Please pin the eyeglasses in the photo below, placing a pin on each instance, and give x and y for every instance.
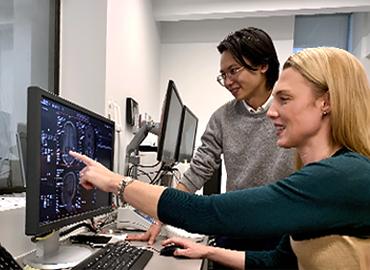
(232, 73)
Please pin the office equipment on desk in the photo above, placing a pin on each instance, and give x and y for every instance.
(176, 138)
(170, 124)
(11, 174)
(119, 255)
(170, 249)
(93, 240)
(131, 219)
(188, 133)
(7, 262)
(132, 112)
(5, 155)
(167, 130)
(54, 196)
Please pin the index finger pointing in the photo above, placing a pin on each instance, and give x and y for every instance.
(88, 161)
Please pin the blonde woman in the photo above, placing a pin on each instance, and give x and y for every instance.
(321, 108)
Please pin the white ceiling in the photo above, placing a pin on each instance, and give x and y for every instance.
(175, 10)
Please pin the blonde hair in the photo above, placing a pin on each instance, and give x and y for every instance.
(340, 74)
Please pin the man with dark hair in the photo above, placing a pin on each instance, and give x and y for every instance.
(239, 129)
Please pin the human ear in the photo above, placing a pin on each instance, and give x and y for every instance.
(264, 68)
(325, 104)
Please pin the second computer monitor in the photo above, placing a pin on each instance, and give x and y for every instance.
(170, 126)
(188, 134)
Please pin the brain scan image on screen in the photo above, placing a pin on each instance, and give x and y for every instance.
(69, 189)
(62, 130)
(68, 141)
(88, 141)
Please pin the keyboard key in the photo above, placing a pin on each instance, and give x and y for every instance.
(116, 256)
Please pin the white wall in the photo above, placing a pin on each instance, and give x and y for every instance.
(83, 52)
(109, 51)
(174, 10)
(189, 56)
(132, 59)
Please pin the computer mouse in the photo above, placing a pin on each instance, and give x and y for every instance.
(169, 250)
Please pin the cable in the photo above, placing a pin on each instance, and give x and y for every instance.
(110, 218)
(159, 175)
(149, 166)
(77, 226)
(129, 170)
(177, 177)
(41, 237)
(146, 174)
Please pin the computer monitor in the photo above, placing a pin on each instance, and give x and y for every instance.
(54, 197)
(189, 125)
(170, 126)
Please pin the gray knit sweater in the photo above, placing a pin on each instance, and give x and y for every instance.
(248, 143)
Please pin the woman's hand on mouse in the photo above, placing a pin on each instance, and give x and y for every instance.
(190, 248)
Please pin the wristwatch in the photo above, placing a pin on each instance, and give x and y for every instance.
(126, 180)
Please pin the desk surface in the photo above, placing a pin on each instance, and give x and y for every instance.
(158, 262)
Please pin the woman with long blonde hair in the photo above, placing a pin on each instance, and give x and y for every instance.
(321, 108)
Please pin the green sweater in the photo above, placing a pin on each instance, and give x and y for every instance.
(331, 196)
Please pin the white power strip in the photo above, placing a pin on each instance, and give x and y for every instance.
(131, 219)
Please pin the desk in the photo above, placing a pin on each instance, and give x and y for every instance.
(158, 262)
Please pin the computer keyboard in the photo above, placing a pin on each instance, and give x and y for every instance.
(7, 262)
(116, 256)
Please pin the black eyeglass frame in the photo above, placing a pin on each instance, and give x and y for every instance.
(232, 72)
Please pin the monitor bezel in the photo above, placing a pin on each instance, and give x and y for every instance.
(33, 226)
(185, 111)
(171, 89)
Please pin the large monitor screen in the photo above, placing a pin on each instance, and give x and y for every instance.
(170, 125)
(54, 197)
(189, 124)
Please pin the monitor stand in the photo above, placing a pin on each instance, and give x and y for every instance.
(50, 254)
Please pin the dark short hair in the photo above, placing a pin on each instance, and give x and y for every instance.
(255, 45)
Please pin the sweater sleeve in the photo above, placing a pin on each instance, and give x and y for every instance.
(282, 257)
(207, 157)
(304, 203)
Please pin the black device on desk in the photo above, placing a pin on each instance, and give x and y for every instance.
(7, 262)
(118, 256)
(169, 250)
(95, 241)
